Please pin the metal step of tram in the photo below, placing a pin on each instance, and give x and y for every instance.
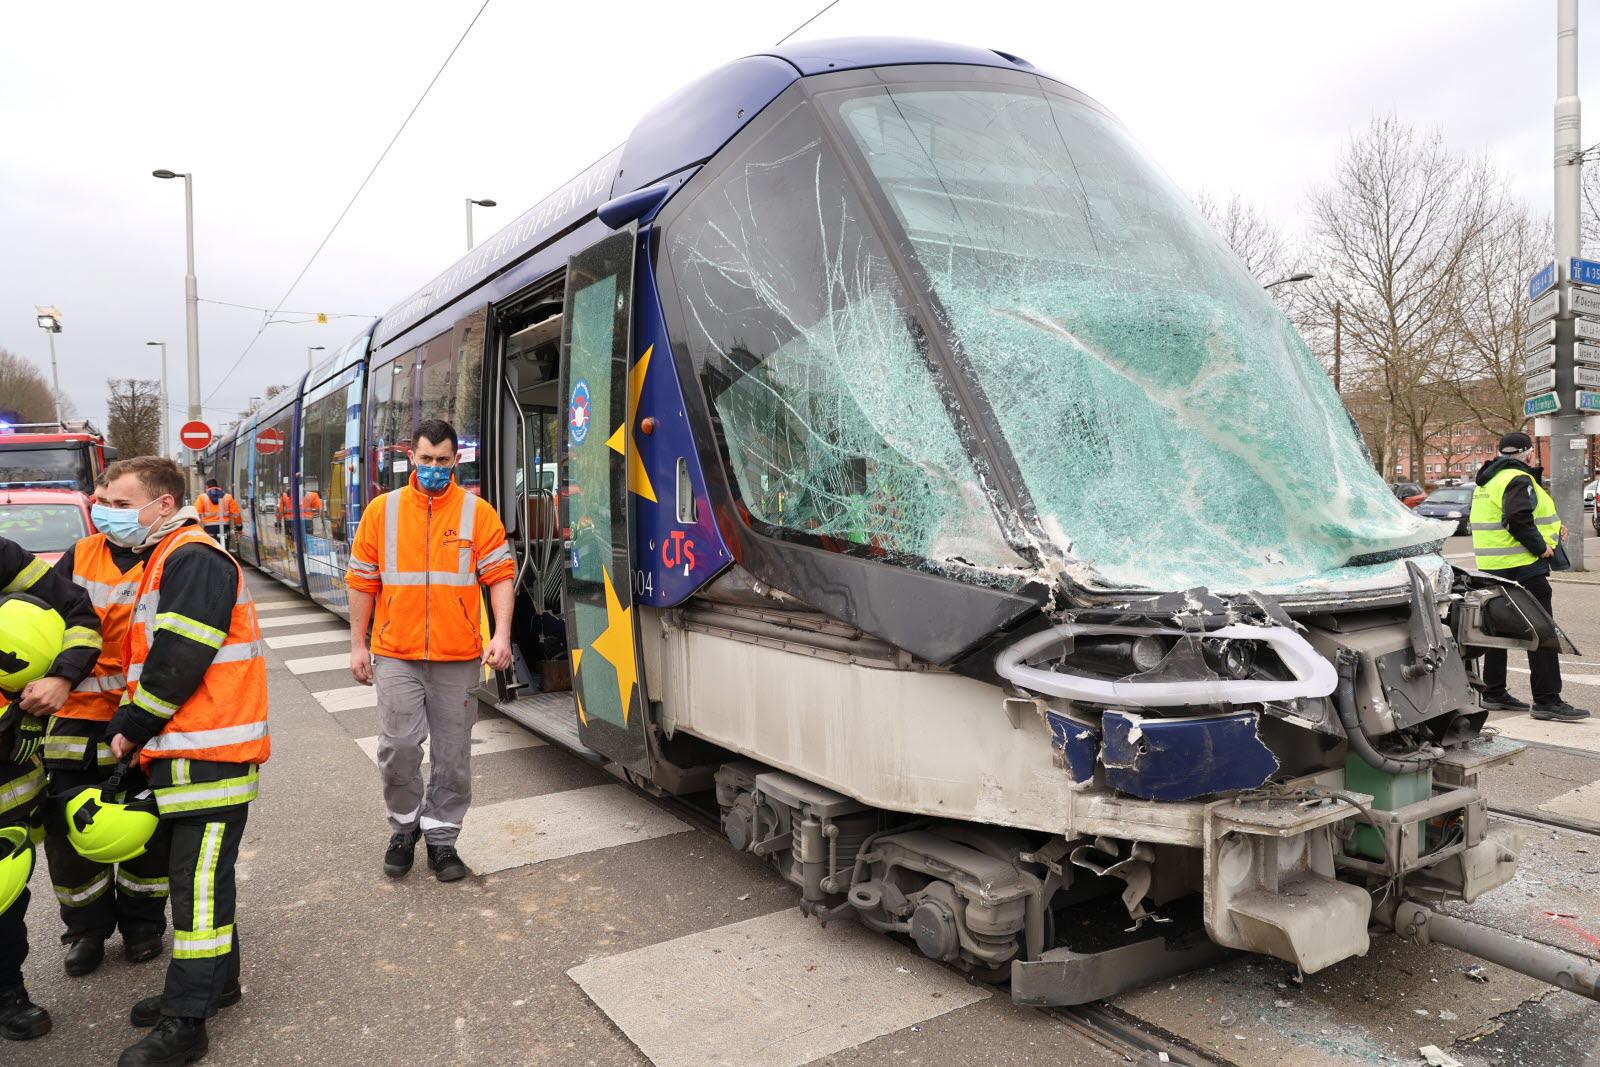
(553, 717)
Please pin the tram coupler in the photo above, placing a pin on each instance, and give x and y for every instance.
(1574, 973)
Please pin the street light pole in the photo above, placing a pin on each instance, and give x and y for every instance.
(1566, 430)
(49, 320)
(310, 349)
(190, 292)
(166, 410)
(470, 204)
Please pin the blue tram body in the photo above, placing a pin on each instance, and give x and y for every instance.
(823, 414)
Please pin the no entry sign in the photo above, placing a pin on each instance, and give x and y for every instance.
(195, 435)
(269, 441)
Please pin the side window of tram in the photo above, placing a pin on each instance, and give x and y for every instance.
(392, 395)
(452, 386)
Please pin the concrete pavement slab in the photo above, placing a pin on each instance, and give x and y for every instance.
(815, 990)
(514, 833)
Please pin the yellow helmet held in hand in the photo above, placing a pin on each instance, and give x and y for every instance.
(31, 634)
(106, 825)
(16, 864)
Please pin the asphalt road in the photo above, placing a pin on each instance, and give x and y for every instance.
(601, 929)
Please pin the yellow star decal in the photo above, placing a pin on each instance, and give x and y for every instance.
(577, 690)
(638, 477)
(615, 645)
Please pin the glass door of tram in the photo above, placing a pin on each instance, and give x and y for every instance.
(602, 630)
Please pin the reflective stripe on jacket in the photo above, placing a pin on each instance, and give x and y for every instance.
(424, 557)
(112, 591)
(1493, 545)
(225, 719)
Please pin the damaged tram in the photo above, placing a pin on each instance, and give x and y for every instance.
(892, 452)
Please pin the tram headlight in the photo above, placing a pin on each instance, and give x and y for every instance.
(1118, 655)
(1231, 659)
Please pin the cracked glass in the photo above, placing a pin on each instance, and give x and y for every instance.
(1171, 427)
(833, 426)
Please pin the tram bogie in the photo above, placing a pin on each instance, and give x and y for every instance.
(826, 416)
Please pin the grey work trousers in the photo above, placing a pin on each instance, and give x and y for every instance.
(420, 699)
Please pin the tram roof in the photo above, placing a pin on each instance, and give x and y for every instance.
(682, 131)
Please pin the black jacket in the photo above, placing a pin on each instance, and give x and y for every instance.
(1516, 509)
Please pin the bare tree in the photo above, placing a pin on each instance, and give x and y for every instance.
(24, 391)
(1491, 318)
(1254, 238)
(1395, 231)
(133, 416)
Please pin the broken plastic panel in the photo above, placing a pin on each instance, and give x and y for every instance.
(832, 423)
(1170, 425)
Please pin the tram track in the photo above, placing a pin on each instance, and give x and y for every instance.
(1554, 822)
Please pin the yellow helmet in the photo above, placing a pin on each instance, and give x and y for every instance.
(31, 633)
(16, 864)
(106, 825)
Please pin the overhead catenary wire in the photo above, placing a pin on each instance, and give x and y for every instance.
(806, 23)
(268, 320)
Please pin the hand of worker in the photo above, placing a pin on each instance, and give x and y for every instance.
(45, 696)
(498, 654)
(1549, 553)
(361, 665)
(120, 746)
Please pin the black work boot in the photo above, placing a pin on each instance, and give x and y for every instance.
(84, 956)
(20, 1018)
(401, 854)
(1502, 701)
(141, 948)
(446, 864)
(1559, 712)
(173, 1043)
(148, 1011)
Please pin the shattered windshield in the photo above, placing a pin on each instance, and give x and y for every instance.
(1170, 425)
(834, 430)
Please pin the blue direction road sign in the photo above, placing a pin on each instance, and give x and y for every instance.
(1587, 401)
(1542, 281)
(1585, 271)
(1545, 404)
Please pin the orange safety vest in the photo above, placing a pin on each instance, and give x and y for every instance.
(113, 593)
(225, 719)
(213, 514)
(424, 557)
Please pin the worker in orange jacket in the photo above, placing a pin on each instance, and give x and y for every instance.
(218, 511)
(426, 548)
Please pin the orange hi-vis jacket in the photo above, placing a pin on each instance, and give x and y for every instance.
(310, 506)
(225, 719)
(214, 514)
(113, 593)
(424, 557)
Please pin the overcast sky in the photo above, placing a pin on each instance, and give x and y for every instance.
(280, 112)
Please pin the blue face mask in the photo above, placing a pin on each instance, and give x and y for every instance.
(120, 524)
(433, 479)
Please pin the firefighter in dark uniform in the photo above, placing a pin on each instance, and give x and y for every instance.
(32, 600)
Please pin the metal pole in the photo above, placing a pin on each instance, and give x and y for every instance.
(469, 224)
(1567, 440)
(166, 410)
(55, 375)
(192, 302)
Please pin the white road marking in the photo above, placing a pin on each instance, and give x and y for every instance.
(815, 990)
(514, 833)
(279, 605)
(1580, 803)
(298, 619)
(350, 698)
(1566, 678)
(321, 637)
(313, 664)
(1584, 734)
(488, 735)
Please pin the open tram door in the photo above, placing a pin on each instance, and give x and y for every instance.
(596, 449)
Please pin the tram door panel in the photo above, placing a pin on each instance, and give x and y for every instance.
(602, 630)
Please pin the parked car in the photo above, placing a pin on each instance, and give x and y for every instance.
(1588, 495)
(46, 522)
(1409, 493)
(1453, 503)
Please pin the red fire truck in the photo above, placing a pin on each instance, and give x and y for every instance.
(41, 455)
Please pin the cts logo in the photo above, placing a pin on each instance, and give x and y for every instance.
(678, 551)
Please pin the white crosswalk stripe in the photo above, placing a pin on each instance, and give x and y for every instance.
(488, 735)
(278, 605)
(312, 664)
(515, 833)
(1580, 803)
(350, 698)
(297, 619)
(1584, 734)
(321, 637)
(816, 991)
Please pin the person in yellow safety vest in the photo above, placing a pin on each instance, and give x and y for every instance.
(23, 706)
(195, 715)
(1515, 531)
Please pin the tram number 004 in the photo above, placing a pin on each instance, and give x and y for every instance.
(643, 583)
